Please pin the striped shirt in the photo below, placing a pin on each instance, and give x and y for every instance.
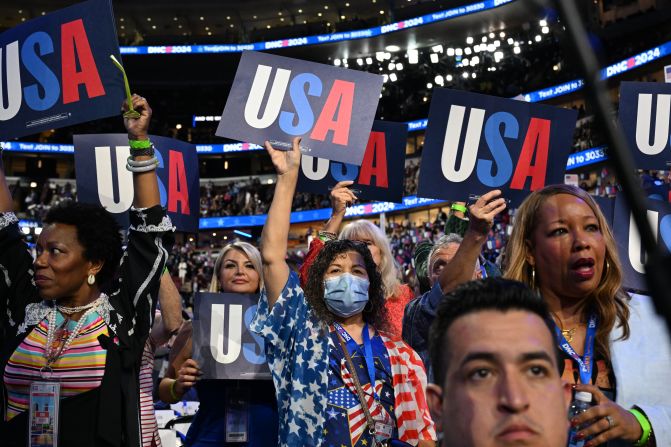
(148, 424)
(79, 369)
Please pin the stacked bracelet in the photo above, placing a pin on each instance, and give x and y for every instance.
(139, 144)
(141, 165)
(458, 207)
(645, 427)
(326, 236)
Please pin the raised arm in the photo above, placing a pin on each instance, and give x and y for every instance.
(276, 229)
(482, 214)
(144, 183)
(341, 198)
(171, 311)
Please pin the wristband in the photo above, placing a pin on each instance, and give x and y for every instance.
(645, 426)
(458, 207)
(139, 144)
(326, 236)
(173, 394)
(144, 151)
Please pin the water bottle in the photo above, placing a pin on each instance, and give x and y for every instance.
(581, 403)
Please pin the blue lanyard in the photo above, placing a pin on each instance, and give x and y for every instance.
(352, 347)
(587, 361)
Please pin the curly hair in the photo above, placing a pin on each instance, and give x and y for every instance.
(375, 313)
(97, 231)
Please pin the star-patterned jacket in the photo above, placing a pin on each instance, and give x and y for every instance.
(297, 347)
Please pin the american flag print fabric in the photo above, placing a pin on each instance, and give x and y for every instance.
(297, 345)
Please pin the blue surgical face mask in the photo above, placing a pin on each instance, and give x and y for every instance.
(346, 294)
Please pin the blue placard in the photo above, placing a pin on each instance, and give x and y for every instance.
(276, 98)
(102, 178)
(632, 256)
(475, 143)
(380, 176)
(223, 345)
(57, 70)
(645, 117)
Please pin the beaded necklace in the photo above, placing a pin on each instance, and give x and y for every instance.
(51, 354)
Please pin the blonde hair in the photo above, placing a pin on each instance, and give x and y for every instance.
(608, 300)
(245, 248)
(363, 229)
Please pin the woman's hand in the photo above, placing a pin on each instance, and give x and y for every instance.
(623, 424)
(483, 211)
(342, 197)
(285, 161)
(138, 128)
(187, 376)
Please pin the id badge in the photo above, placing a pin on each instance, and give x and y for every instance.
(43, 416)
(237, 416)
(383, 427)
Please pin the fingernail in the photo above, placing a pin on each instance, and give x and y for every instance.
(574, 422)
(580, 435)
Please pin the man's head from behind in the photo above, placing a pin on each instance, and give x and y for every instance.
(496, 370)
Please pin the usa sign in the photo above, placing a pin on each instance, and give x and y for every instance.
(55, 70)
(380, 176)
(223, 345)
(476, 143)
(645, 117)
(276, 98)
(100, 166)
(632, 255)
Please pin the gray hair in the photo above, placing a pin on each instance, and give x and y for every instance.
(443, 242)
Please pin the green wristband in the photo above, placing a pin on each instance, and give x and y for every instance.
(457, 207)
(645, 426)
(139, 144)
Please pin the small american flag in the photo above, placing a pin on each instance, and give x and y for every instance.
(355, 414)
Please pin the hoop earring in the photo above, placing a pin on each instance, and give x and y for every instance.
(91, 279)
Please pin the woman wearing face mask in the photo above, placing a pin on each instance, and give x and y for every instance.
(237, 270)
(397, 295)
(326, 345)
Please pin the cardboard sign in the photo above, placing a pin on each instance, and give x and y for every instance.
(102, 177)
(476, 143)
(380, 176)
(276, 98)
(56, 70)
(223, 345)
(632, 256)
(645, 117)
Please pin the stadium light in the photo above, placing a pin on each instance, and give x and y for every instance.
(429, 85)
(469, 40)
(393, 77)
(467, 51)
(413, 56)
(359, 62)
(399, 66)
(448, 78)
(369, 60)
(437, 48)
(392, 48)
(439, 80)
(391, 66)
(459, 52)
(450, 51)
(516, 50)
(434, 58)
(379, 56)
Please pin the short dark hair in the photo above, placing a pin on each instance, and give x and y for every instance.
(97, 231)
(375, 312)
(495, 294)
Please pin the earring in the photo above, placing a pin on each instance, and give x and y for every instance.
(533, 278)
(91, 279)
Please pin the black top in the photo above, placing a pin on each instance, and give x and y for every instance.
(108, 415)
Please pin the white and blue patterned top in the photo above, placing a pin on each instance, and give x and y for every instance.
(297, 346)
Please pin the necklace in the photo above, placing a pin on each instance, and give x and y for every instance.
(71, 310)
(51, 354)
(568, 334)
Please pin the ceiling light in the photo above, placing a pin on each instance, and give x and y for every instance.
(153, 27)
(180, 26)
(300, 11)
(474, 75)
(359, 61)
(475, 60)
(467, 51)
(178, 126)
(537, 38)
(434, 58)
(448, 78)
(429, 85)
(268, 26)
(379, 55)
(497, 43)
(510, 41)
(148, 19)
(545, 30)
(385, 78)
(439, 80)
(326, 6)
(425, 99)
(465, 75)
(458, 52)
(469, 40)
(502, 34)
(203, 18)
(228, 17)
(337, 62)
(491, 47)
(393, 77)
(174, 18)
(516, 50)
(543, 23)
(450, 51)
(465, 62)
(437, 48)
(369, 60)
(342, 17)
(391, 66)
(381, 11)
(484, 38)
(279, 13)
(413, 56)
(319, 14)
(399, 66)
(282, 19)
(392, 48)
(491, 35)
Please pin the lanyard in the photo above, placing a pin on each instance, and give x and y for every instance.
(352, 347)
(587, 360)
